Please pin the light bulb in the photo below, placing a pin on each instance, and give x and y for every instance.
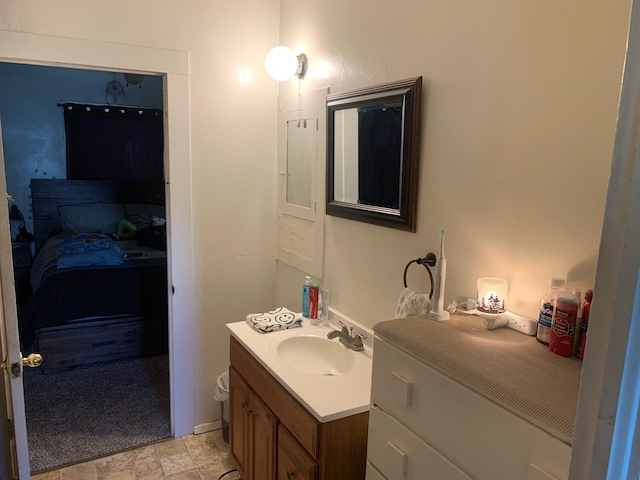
(281, 63)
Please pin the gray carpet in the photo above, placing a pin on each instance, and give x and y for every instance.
(90, 412)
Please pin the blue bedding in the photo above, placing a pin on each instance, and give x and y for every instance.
(107, 256)
(85, 242)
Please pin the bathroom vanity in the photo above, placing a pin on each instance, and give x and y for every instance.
(454, 401)
(297, 418)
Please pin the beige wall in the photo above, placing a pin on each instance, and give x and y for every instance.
(520, 106)
(524, 93)
(233, 142)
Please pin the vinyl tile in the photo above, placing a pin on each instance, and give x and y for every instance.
(192, 457)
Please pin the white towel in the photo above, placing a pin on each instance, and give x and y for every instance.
(278, 319)
(412, 303)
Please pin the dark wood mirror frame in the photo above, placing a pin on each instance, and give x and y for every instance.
(407, 93)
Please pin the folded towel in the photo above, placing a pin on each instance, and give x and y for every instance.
(278, 319)
(412, 303)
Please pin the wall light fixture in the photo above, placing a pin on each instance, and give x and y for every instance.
(282, 64)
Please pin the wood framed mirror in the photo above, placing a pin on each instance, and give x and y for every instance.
(373, 152)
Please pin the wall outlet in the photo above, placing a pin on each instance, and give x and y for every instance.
(521, 324)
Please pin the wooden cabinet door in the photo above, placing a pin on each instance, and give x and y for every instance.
(294, 463)
(239, 423)
(263, 439)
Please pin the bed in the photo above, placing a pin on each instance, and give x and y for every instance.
(100, 310)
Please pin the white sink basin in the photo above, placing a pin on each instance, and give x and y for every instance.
(327, 378)
(313, 354)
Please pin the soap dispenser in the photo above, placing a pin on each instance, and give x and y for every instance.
(306, 288)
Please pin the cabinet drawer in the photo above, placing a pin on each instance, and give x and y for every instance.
(373, 473)
(399, 454)
(481, 437)
(293, 461)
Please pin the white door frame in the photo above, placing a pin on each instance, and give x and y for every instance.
(606, 416)
(50, 50)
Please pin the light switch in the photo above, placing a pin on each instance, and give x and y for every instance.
(401, 389)
(396, 460)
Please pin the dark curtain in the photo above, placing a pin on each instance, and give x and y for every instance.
(113, 143)
(380, 156)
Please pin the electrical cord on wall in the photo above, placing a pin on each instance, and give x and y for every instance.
(227, 473)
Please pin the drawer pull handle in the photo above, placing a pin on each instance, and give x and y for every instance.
(243, 405)
(401, 390)
(248, 410)
(397, 459)
(290, 475)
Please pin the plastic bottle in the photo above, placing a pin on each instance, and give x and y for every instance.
(556, 284)
(563, 326)
(579, 319)
(582, 335)
(305, 296)
(314, 294)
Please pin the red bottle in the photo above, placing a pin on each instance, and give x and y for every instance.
(563, 328)
(313, 301)
(586, 310)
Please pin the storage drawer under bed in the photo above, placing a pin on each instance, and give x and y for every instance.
(101, 340)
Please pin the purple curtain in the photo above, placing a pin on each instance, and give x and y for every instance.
(106, 142)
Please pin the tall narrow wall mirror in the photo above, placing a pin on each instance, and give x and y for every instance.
(373, 151)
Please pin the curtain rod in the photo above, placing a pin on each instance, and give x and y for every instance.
(106, 105)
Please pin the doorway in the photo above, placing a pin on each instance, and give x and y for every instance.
(92, 403)
(173, 65)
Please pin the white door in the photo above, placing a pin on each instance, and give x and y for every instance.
(15, 451)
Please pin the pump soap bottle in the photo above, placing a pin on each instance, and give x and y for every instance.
(306, 288)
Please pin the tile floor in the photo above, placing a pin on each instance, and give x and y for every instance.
(193, 457)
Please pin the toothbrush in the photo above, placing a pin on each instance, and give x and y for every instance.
(437, 310)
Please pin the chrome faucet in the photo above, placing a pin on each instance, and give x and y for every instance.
(352, 342)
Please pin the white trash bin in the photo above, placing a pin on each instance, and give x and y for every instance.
(221, 395)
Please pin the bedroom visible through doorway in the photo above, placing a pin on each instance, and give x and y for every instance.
(123, 222)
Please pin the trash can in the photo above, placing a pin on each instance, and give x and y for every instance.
(221, 395)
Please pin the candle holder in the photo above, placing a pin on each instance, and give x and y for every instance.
(491, 296)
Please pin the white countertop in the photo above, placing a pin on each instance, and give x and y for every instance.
(327, 398)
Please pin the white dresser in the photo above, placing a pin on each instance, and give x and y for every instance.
(453, 400)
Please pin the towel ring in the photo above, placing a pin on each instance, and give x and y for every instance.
(429, 260)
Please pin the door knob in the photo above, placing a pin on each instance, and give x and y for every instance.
(33, 360)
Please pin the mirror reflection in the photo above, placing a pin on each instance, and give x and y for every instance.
(367, 155)
(300, 155)
(373, 152)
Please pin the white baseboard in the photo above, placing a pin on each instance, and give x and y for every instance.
(207, 427)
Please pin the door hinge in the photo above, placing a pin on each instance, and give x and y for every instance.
(173, 289)
(11, 429)
(14, 368)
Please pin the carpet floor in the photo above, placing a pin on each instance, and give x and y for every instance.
(90, 412)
